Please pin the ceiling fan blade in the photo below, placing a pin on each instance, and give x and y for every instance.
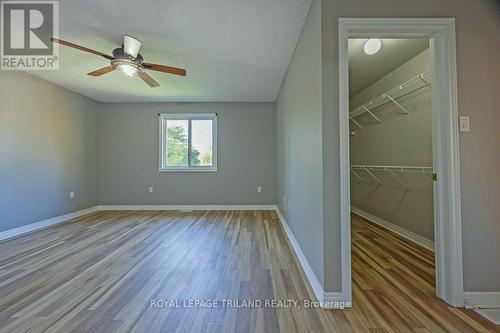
(101, 71)
(81, 48)
(131, 46)
(148, 79)
(165, 69)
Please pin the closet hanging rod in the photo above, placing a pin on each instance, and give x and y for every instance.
(387, 96)
(419, 77)
(393, 168)
(389, 101)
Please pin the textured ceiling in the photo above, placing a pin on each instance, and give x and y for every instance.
(233, 50)
(364, 69)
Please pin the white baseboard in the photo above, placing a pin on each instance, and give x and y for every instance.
(482, 299)
(326, 299)
(313, 280)
(45, 223)
(424, 242)
(63, 218)
(492, 315)
(187, 207)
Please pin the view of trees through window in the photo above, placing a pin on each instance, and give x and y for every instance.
(178, 143)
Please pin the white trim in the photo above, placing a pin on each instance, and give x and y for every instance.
(482, 299)
(313, 280)
(492, 315)
(66, 217)
(188, 169)
(163, 139)
(185, 116)
(446, 161)
(345, 168)
(422, 241)
(447, 207)
(326, 300)
(45, 223)
(187, 207)
(332, 298)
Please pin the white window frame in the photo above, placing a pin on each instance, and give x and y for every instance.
(163, 117)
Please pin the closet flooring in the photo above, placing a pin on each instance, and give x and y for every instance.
(393, 285)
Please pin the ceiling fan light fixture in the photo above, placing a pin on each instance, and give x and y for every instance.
(372, 46)
(128, 69)
(126, 59)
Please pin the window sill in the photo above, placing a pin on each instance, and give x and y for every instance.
(199, 170)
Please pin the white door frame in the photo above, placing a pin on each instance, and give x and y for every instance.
(445, 145)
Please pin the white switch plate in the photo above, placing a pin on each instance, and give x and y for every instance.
(71, 195)
(464, 124)
(150, 189)
(259, 189)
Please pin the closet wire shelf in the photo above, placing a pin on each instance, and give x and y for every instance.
(416, 83)
(392, 169)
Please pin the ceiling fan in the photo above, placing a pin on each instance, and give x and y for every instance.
(128, 60)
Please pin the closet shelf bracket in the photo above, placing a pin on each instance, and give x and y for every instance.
(402, 182)
(375, 177)
(421, 77)
(371, 114)
(357, 175)
(397, 104)
(357, 124)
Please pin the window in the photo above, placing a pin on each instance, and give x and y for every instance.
(188, 142)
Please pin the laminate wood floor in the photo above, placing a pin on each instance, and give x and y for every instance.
(101, 273)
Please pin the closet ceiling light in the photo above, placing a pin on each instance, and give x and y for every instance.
(372, 46)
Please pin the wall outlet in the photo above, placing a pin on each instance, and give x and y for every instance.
(289, 204)
(150, 189)
(71, 195)
(259, 189)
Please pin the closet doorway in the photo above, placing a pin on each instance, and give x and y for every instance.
(399, 156)
(391, 183)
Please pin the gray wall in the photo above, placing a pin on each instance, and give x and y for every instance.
(58, 142)
(129, 156)
(478, 46)
(48, 147)
(398, 140)
(299, 143)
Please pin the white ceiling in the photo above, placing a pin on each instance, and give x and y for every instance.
(365, 69)
(233, 50)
